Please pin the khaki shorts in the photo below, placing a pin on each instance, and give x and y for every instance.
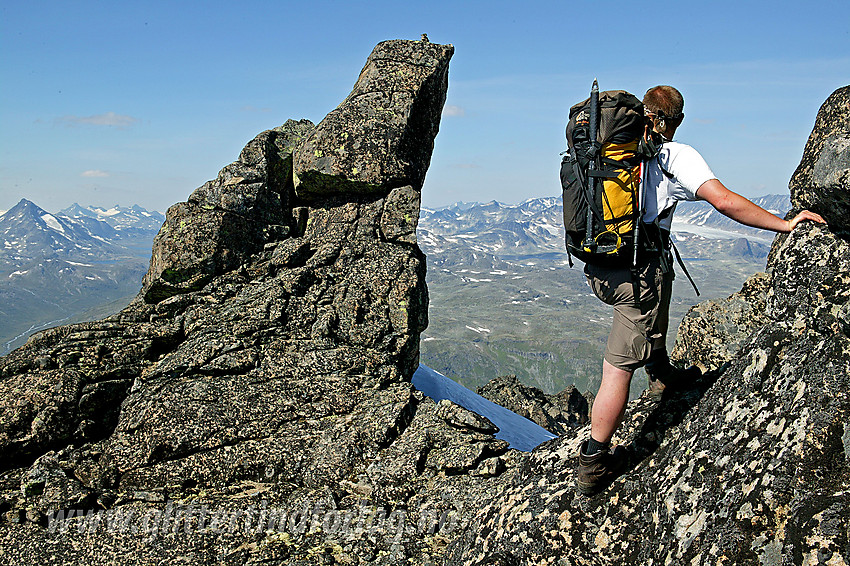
(636, 330)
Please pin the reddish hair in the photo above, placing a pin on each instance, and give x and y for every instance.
(667, 101)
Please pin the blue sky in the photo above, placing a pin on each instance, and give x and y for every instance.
(141, 102)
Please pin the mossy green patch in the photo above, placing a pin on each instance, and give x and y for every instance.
(177, 276)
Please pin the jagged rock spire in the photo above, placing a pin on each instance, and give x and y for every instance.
(382, 135)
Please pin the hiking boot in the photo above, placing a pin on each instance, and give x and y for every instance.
(664, 375)
(675, 379)
(596, 472)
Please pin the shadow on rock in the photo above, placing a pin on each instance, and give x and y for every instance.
(666, 413)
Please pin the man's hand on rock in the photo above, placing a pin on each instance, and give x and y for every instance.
(805, 215)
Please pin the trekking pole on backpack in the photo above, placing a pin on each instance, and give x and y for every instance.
(639, 203)
(639, 213)
(593, 152)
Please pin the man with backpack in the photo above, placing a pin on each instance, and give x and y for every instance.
(638, 335)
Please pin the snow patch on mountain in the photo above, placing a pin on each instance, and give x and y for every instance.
(51, 222)
(31, 233)
(681, 229)
(134, 218)
(535, 226)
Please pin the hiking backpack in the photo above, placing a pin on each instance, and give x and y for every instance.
(601, 177)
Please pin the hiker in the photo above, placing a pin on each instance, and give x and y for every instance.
(638, 334)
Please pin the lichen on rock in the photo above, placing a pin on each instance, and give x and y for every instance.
(229, 218)
(382, 135)
(557, 413)
(821, 181)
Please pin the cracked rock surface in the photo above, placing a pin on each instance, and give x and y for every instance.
(821, 180)
(557, 413)
(390, 117)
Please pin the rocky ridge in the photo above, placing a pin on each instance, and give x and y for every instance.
(263, 371)
(254, 405)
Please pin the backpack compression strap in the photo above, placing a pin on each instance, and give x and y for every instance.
(682, 265)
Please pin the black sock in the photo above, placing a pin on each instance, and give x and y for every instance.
(594, 446)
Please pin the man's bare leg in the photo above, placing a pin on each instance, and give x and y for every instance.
(598, 465)
(610, 403)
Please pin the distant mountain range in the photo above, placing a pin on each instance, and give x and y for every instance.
(536, 225)
(30, 232)
(503, 298)
(702, 219)
(128, 222)
(505, 301)
(55, 266)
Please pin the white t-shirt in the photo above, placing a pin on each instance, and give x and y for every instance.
(688, 170)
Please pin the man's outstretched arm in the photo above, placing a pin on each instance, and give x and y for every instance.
(746, 212)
